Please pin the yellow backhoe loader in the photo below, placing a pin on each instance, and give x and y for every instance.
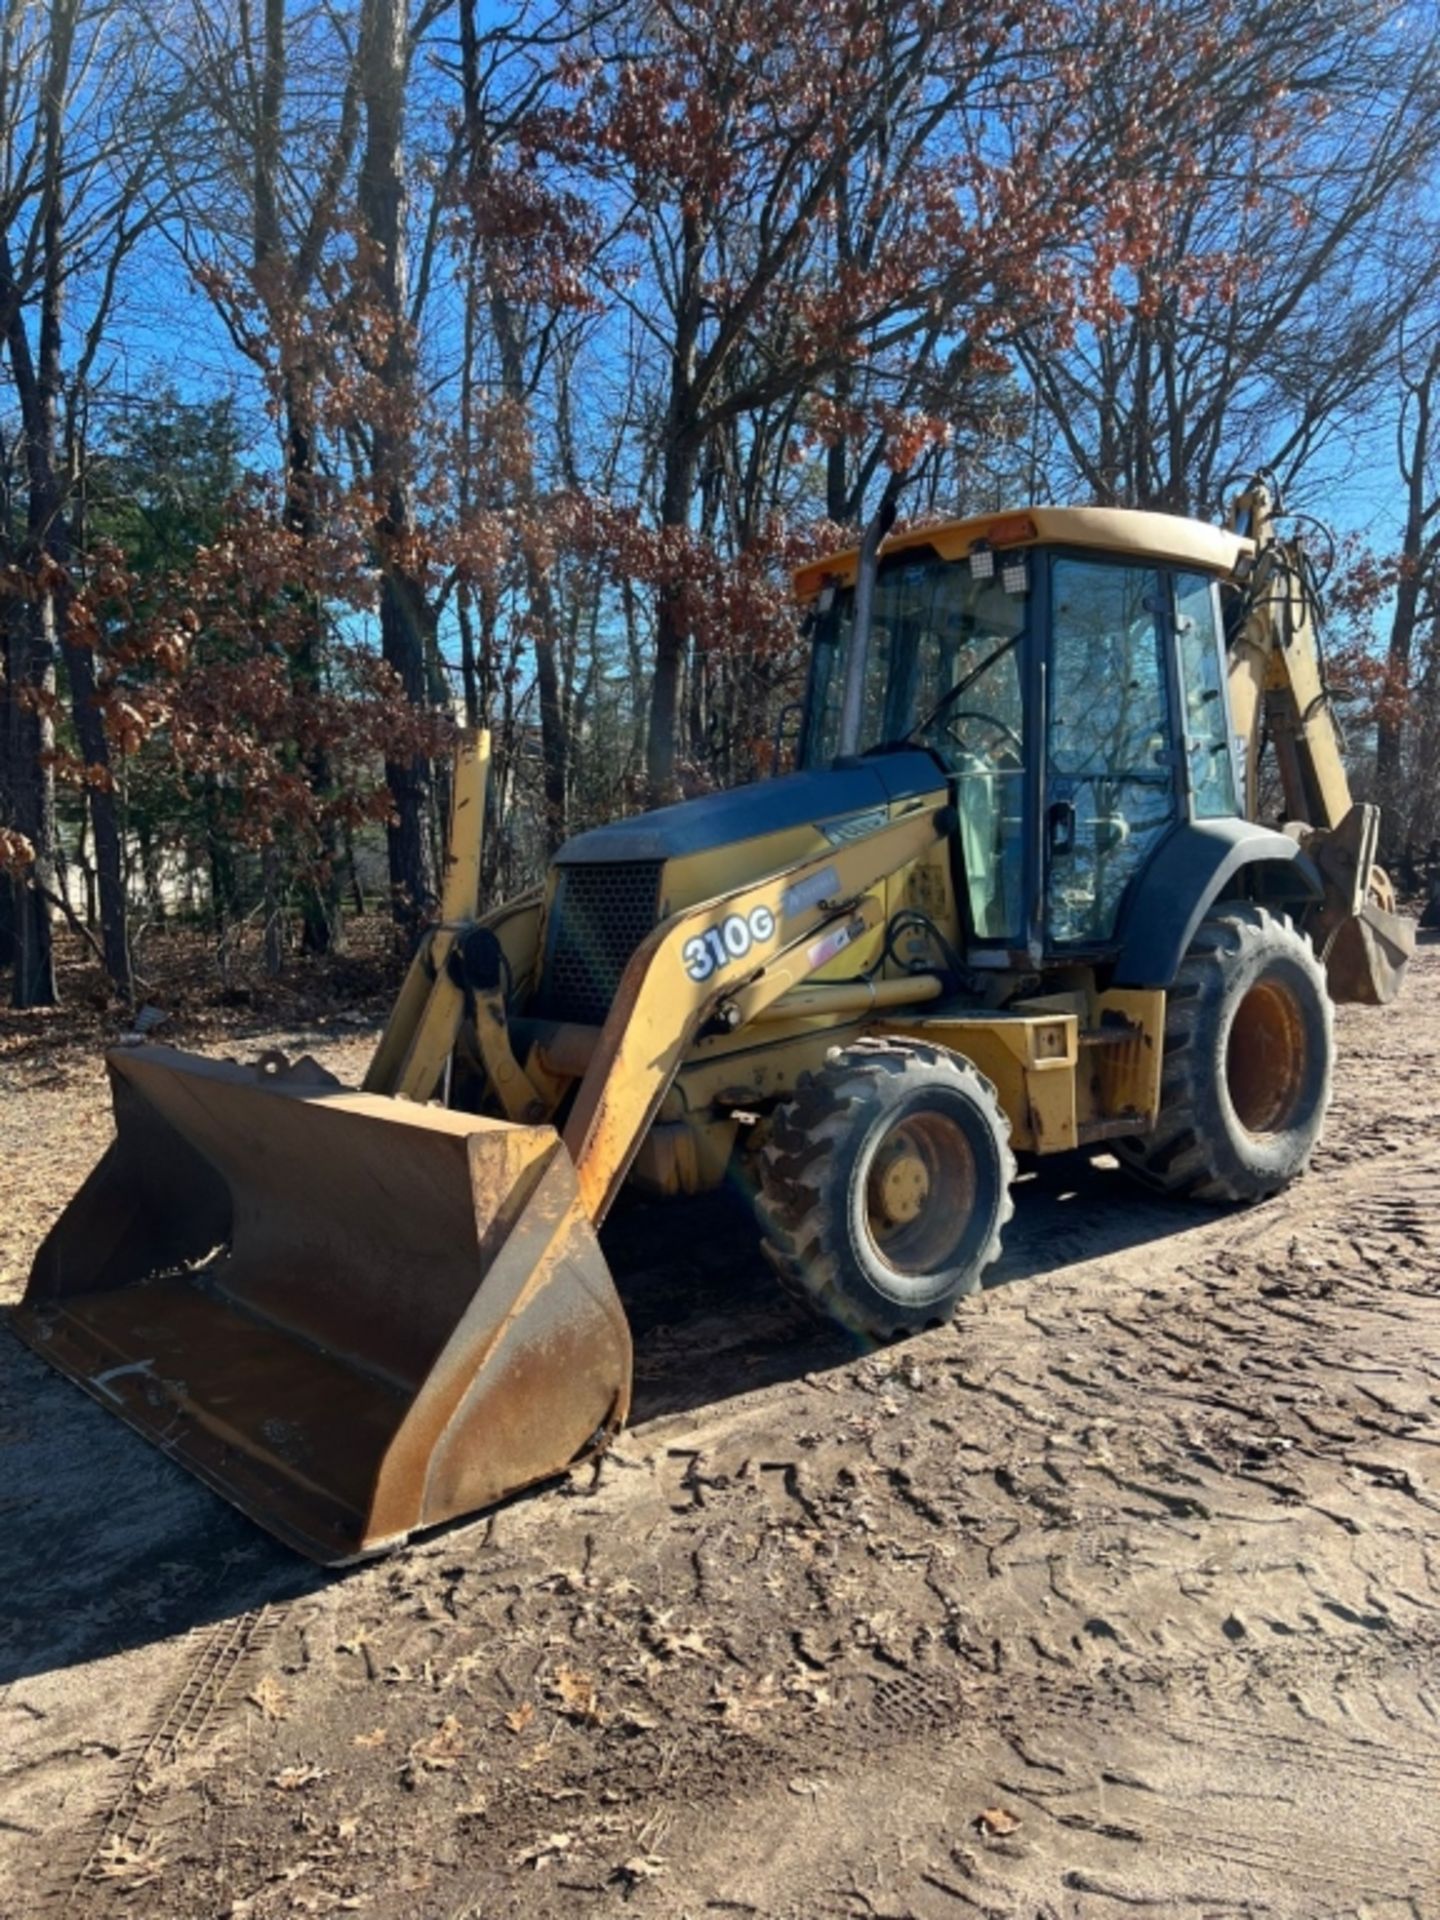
(1014, 898)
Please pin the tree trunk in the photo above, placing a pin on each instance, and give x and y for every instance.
(1399, 661)
(319, 887)
(506, 325)
(545, 630)
(1390, 729)
(7, 923)
(273, 912)
(672, 628)
(8, 885)
(322, 926)
(32, 809)
(407, 625)
(30, 722)
(680, 478)
(104, 810)
(402, 644)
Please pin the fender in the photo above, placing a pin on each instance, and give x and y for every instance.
(1188, 872)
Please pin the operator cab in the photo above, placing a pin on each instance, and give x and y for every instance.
(1067, 669)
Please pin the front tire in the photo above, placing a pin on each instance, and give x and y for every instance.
(884, 1186)
(1249, 1054)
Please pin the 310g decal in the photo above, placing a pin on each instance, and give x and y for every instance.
(719, 947)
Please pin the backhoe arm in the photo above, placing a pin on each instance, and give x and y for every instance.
(1276, 687)
(1278, 693)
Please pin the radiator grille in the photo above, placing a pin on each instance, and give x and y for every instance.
(601, 915)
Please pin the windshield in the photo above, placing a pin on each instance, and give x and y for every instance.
(944, 670)
(943, 667)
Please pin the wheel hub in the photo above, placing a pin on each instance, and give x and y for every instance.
(919, 1192)
(1265, 1058)
(903, 1186)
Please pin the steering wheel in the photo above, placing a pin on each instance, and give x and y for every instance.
(991, 720)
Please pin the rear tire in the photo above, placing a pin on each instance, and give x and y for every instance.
(884, 1186)
(1249, 1052)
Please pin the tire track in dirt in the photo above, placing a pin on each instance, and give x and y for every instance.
(1145, 1548)
(122, 1843)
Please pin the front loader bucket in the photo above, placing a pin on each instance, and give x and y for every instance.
(1368, 956)
(352, 1316)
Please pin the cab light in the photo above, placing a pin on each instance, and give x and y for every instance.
(1010, 531)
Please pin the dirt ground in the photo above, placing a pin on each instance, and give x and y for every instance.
(1119, 1596)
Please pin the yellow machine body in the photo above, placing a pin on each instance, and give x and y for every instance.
(358, 1314)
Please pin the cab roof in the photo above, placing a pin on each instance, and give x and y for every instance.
(1165, 537)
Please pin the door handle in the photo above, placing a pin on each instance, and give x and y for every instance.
(1061, 823)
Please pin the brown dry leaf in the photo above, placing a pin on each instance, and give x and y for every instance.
(520, 1719)
(996, 1821)
(294, 1779)
(670, 1643)
(747, 1701)
(137, 1863)
(550, 1848)
(475, 1809)
(802, 1684)
(468, 1663)
(269, 1696)
(629, 1720)
(691, 1641)
(443, 1748)
(644, 1866)
(577, 1696)
(376, 1737)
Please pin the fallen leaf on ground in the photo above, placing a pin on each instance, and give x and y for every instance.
(443, 1748)
(577, 1696)
(376, 1737)
(269, 1696)
(746, 1701)
(550, 1848)
(644, 1866)
(293, 1779)
(138, 1864)
(802, 1684)
(520, 1719)
(629, 1721)
(669, 1643)
(997, 1820)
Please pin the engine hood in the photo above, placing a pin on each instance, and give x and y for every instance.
(827, 797)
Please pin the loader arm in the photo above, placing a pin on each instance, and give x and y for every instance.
(688, 972)
(1278, 692)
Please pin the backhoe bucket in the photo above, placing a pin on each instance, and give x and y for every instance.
(1368, 956)
(352, 1316)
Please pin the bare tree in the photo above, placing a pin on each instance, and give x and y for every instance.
(1318, 129)
(75, 183)
(1408, 722)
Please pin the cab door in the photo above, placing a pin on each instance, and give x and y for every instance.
(1110, 772)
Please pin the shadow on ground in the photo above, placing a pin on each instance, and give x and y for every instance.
(710, 1320)
(105, 1544)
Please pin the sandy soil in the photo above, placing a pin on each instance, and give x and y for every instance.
(1121, 1595)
